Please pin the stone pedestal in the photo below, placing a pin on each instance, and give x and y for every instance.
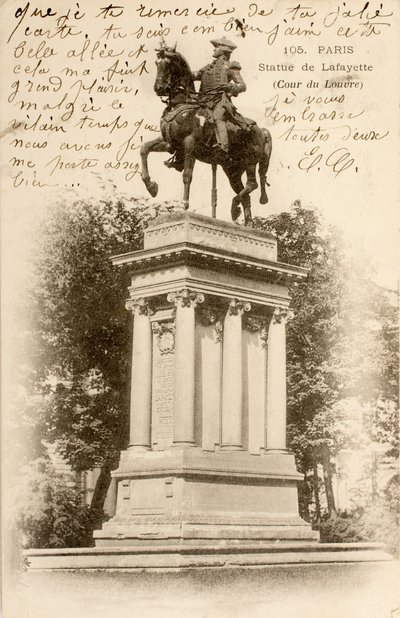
(207, 463)
(206, 480)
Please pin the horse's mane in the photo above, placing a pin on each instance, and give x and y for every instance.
(183, 67)
(183, 63)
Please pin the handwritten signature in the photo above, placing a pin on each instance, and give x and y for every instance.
(337, 161)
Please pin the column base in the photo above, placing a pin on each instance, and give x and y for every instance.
(139, 447)
(183, 444)
(231, 447)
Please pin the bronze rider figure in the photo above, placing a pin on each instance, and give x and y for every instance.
(221, 80)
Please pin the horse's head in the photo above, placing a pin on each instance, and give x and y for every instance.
(173, 74)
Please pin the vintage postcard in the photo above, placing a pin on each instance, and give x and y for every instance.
(293, 108)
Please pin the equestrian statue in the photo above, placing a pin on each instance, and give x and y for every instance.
(206, 126)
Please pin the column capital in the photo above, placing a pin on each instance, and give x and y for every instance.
(138, 305)
(186, 297)
(282, 315)
(238, 307)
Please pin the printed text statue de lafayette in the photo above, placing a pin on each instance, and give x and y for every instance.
(205, 125)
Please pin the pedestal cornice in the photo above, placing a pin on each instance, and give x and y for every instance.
(210, 258)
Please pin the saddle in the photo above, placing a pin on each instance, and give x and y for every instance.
(177, 111)
(236, 124)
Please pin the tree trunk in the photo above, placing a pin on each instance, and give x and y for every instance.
(305, 497)
(330, 497)
(101, 488)
(120, 441)
(316, 490)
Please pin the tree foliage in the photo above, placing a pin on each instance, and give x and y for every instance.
(81, 329)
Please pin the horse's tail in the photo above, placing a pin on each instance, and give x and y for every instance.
(268, 142)
(264, 164)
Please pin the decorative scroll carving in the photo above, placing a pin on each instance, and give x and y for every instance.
(238, 307)
(264, 335)
(165, 336)
(139, 305)
(208, 317)
(187, 297)
(255, 325)
(282, 315)
(252, 324)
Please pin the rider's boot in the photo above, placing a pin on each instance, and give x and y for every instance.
(175, 163)
(222, 136)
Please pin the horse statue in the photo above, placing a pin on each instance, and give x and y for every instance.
(187, 134)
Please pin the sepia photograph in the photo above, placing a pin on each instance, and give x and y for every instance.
(200, 309)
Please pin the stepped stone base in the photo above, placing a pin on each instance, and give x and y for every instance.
(292, 590)
(201, 531)
(177, 557)
(190, 497)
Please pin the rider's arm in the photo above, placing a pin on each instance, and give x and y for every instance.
(197, 75)
(234, 76)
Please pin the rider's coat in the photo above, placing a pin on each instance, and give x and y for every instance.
(221, 80)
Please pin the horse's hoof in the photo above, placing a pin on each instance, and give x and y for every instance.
(248, 219)
(264, 199)
(186, 205)
(235, 212)
(152, 188)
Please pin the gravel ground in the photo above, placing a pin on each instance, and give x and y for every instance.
(301, 591)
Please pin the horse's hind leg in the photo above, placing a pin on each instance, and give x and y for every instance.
(155, 145)
(188, 169)
(262, 172)
(264, 164)
(244, 195)
(235, 181)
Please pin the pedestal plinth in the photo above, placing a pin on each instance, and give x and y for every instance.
(208, 392)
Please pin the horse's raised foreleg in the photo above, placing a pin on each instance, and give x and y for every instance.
(155, 145)
(264, 164)
(188, 168)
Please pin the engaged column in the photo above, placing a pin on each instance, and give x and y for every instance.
(232, 375)
(276, 380)
(140, 402)
(186, 302)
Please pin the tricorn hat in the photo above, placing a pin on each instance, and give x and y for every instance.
(224, 43)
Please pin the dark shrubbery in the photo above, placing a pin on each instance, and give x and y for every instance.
(345, 528)
(377, 522)
(50, 513)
